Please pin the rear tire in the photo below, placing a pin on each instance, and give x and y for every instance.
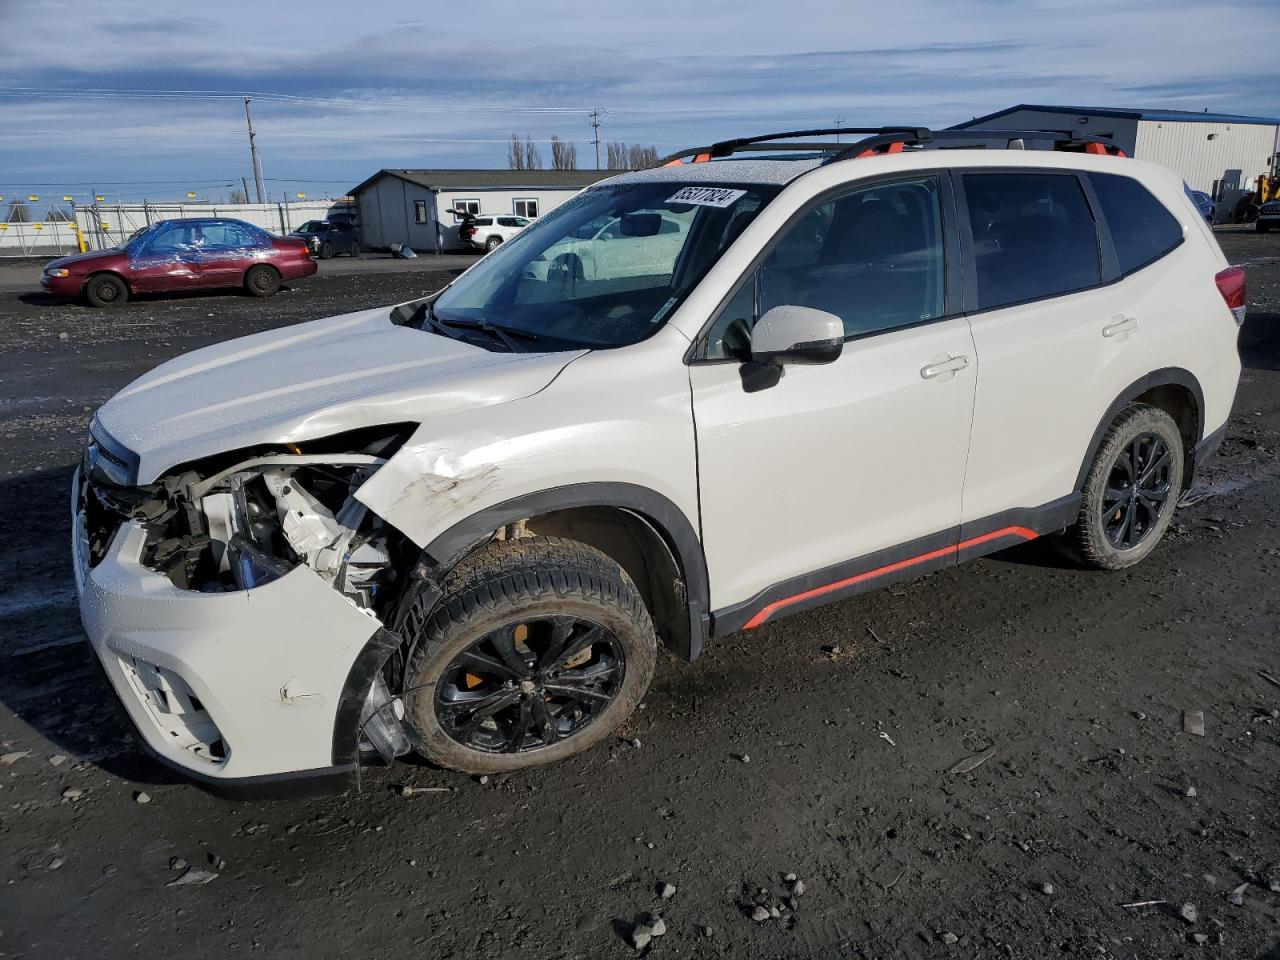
(492, 243)
(262, 281)
(106, 290)
(1131, 490)
(550, 634)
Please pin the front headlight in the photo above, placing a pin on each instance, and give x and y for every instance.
(59, 272)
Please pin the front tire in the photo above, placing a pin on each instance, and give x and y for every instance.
(326, 250)
(1131, 490)
(539, 649)
(106, 290)
(262, 281)
(1262, 227)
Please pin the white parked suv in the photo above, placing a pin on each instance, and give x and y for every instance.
(486, 232)
(465, 525)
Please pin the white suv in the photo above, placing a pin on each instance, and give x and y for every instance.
(487, 232)
(465, 525)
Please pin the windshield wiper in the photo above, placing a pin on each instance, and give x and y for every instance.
(507, 336)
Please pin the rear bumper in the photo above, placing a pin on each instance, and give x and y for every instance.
(241, 692)
(297, 269)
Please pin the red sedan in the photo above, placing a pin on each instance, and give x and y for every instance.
(172, 255)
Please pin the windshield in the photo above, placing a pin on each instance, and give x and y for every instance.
(605, 268)
(314, 226)
(139, 237)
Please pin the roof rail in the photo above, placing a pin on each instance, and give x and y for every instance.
(1065, 140)
(887, 140)
(768, 142)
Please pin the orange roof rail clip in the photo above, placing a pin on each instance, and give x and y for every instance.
(896, 147)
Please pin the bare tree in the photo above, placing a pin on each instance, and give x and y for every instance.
(515, 153)
(639, 157)
(615, 155)
(238, 196)
(564, 154)
(59, 214)
(532, 158)
(523, 154)
(19, 212)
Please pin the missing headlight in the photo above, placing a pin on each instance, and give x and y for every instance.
(251, 521)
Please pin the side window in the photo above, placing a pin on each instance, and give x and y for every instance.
(873, 257)
(227, 236)
(526, 208)
(419, 211)
(1142, 230)
(1033, 236)
(462, 208)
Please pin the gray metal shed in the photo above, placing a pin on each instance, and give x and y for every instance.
(413, 206)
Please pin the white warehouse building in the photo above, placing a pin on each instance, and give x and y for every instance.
(414, 207)
(1221, 154)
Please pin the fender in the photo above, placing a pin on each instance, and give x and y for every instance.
(1167, 376)
(450, 546)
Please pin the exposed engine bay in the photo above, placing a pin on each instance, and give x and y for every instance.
(249, 518)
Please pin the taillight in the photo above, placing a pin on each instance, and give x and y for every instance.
(1232, 286)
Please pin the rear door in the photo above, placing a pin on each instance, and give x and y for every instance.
(229, 249)
(1054, 339)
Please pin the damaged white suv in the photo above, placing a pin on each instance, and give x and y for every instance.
(463, 526)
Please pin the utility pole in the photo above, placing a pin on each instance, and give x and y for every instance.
(839, 121)
(245, 183)
(595, 129)
(253, 152)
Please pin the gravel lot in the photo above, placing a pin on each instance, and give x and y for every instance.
(1093, 797)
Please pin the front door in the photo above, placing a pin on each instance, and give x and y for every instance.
(169, 262)
(840, 476)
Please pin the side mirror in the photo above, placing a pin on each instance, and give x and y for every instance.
(794, 334)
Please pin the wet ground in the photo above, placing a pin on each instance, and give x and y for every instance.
(1074, 684)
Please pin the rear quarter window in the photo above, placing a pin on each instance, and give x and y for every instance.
(1142, 229)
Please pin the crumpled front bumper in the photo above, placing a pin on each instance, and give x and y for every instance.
(239, 689)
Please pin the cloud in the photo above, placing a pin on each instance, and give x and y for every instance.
(424, 83)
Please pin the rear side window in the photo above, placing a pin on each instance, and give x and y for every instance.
(1142, 230)
(1033, 236)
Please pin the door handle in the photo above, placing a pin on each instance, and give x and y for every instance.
(1119, 326)
(943, 367)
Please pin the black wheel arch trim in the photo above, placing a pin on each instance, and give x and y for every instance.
(667, 519)
(1164, 377)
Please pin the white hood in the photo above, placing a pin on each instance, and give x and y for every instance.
(309, 381)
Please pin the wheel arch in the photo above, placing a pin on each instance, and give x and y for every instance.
(643, 531)
(1174, 390)
(106, 272)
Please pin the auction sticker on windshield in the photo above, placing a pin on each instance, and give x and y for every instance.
(707, 196)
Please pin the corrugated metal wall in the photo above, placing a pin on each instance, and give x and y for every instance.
(1225, 166)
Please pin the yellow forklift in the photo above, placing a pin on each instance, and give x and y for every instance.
(1265, 188)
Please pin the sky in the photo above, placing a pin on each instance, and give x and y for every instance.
(145, 99)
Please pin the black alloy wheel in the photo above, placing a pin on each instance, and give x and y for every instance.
(529, 685)
(1138, 490)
